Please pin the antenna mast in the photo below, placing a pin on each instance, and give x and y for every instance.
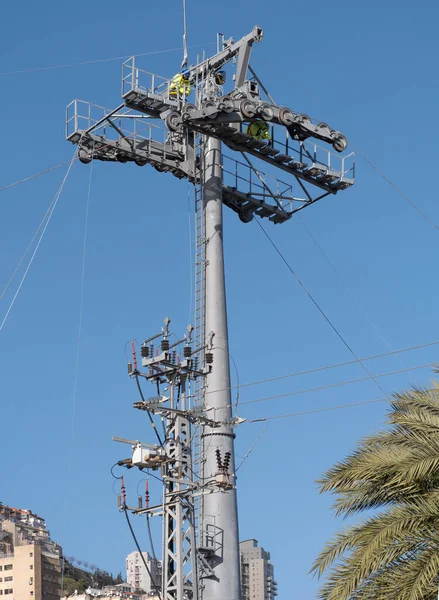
(157, 125)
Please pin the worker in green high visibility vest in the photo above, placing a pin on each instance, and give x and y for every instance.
(258, 130)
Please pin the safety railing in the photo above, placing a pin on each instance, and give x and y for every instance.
(309, 153)
(116, 125)
(257, 184)
(138, 80)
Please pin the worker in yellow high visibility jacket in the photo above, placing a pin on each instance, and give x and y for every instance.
(258, 130)
(180, 86)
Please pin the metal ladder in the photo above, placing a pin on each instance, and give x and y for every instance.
(199, 317)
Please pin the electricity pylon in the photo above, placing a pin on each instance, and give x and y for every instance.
(157, 124)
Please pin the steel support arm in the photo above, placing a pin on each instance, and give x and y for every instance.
(241, 48)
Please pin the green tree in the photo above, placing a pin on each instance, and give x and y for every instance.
(70, 585)
(392, 554)
(119, 579)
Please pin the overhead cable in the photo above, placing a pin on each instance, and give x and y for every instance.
(254, 443)
(325, 368)
(99, 60)
(81, 310)
(332, 266)
(125, 511)
(319, 308)
(11, 185)
(20, 262)
(316, 410)
(412, 204)
(49, 217)
(339, 384)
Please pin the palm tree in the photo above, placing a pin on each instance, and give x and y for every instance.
(393, 554)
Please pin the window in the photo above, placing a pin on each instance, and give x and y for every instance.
(1, 568)
(31, 593)
(31, 554)
(31, 567)
(9, 591)
(8, 578)
(31, 581)
(8, 567)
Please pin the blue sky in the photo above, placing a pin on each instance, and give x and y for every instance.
(369, 70)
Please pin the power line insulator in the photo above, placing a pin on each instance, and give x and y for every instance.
(219, 462)
(209, 358)
(226, 463)
(165, 345)
(144, 351)
(187, 351)
(130, 368)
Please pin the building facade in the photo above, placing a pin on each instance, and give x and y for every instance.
(30, 562)
(257, 572)
(138, 576)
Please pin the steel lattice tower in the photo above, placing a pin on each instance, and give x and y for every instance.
(157, 125)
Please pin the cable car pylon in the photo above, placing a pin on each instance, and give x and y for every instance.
(158, 125)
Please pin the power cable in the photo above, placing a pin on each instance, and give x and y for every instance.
(333, 385)
(412, 204)
(331, 264)
(111, 470)
(317, 410)
(237, 380)
(330, 385)
(326, 367)
(148, 412)
(99, 60)
(157, 588)
(20, 262)
(49, 217)
(11, 185)
(319, 308)
(253, 445)
(151, 543)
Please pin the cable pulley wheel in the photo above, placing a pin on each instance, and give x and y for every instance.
(305, 120)
(338, 141)
(141, 162)
(121, 158)
(227, 105)
(173, 121)
(266, 111)
(209, 104)
(188, 109)
(161, 168)
(245, 216)
(84, 156)
(286, 117)
(248, 109)
(324, 128)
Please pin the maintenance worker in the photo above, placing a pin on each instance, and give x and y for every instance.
(258, 130)
(180, 86)
(220, 77)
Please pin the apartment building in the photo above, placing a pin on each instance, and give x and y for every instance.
(257, 572)
(138, 576)
(30, 562)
